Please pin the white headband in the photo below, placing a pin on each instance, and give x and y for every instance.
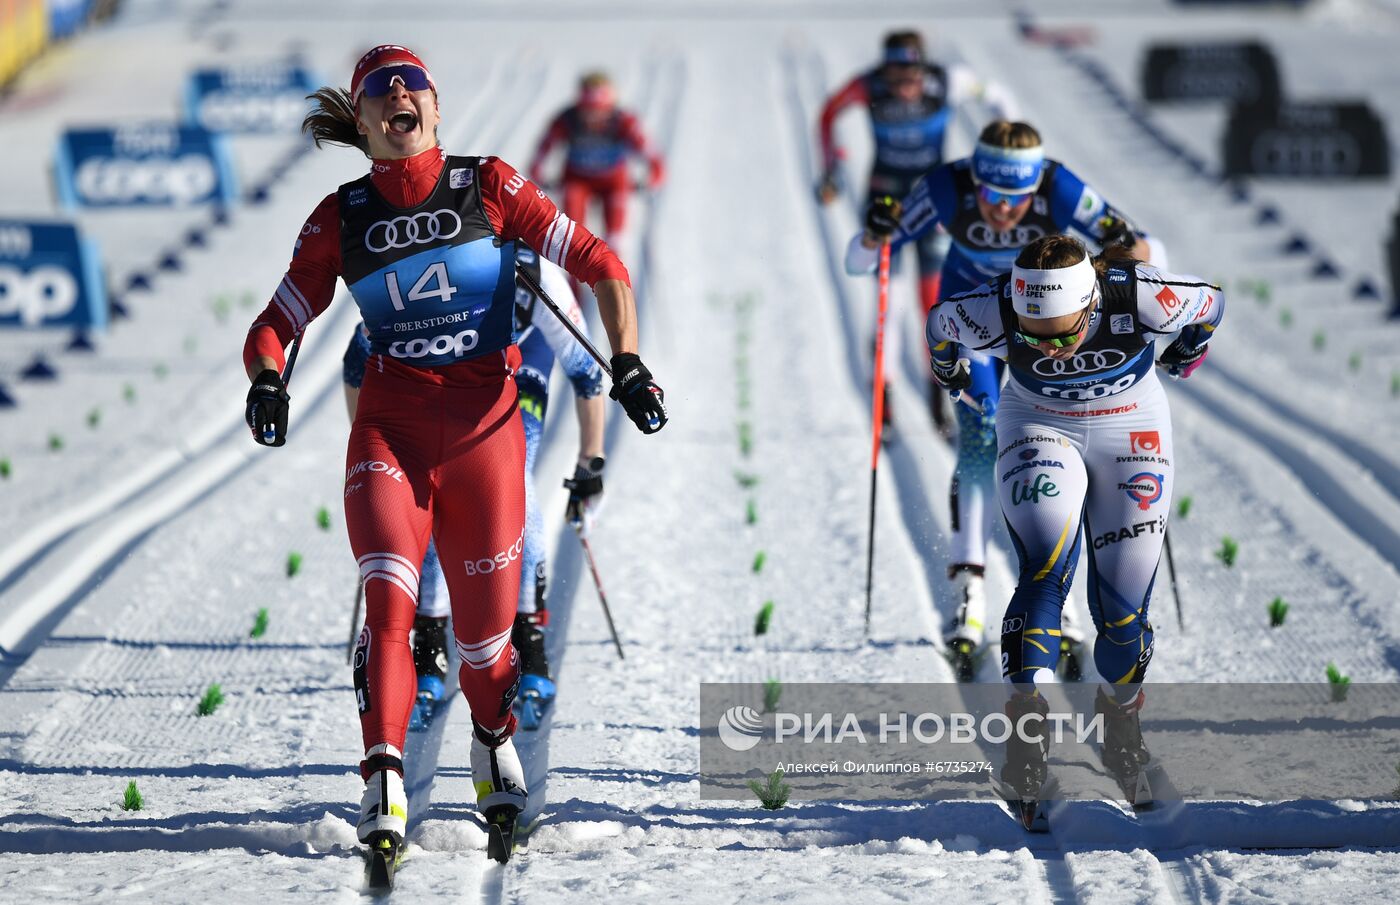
(1040, 294)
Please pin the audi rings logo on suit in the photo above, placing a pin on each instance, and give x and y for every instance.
(984, 236)
(415, 229)
(1080, 363)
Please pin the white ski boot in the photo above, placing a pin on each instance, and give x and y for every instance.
(500, 787)
(384, 807)
(966, 632)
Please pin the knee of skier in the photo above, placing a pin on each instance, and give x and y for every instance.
(1124, 649)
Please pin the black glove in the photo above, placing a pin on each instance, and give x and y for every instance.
(585, 492)
(1116, 231)
(641, 398)
(1180, 358)
(267, 408)
(954, 376)
(882, 217)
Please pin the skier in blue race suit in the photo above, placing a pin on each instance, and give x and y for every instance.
(910, 101)
(993, 204)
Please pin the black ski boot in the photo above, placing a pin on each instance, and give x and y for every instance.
(1024, 775)
(965, 634)
(537, 688)
(430, 662)
(1125, 755)
(1073, 652)
(1070, 668)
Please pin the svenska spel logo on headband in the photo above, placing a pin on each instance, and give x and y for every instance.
(1037, 290)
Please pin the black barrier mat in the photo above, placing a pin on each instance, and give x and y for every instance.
(1244, 73)
(1313, 140)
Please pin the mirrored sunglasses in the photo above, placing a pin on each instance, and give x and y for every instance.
(994, 197)
(378, 82)
(1062, 340)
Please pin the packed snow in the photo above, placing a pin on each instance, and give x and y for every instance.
(137, 556)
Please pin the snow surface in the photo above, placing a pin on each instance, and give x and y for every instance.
(136, 558)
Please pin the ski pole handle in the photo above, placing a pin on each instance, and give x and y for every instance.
(268, 435)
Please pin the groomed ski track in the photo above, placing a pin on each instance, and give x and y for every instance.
(736, 270)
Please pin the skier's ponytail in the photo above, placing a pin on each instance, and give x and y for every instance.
(333, 120)
(1113, 256)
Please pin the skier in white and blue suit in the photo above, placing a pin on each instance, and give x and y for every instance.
(542, 340)
(993, 204)
(1084, 449)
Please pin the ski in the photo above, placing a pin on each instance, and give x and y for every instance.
(500, 832)
(382, 862)
(1031, 813)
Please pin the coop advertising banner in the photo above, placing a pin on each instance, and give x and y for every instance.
(252, 98)
(143, 165)
(50, 276)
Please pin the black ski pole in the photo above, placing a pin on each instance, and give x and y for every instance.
(268, 436)
(598, 582)
(564, 319)
(1176, 585)
(354, 623)
(291, 359)
(877, 408)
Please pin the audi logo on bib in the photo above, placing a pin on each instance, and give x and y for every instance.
(1080, 363)
(417, 229)
(983, 236)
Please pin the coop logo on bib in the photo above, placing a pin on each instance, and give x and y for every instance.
(1144, 488)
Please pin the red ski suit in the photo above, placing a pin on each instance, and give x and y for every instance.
(433, 449)
(595, 164)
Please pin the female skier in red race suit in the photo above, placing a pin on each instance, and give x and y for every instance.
(426, 244)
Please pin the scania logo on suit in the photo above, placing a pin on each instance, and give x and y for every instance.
(983, 236)
(1080, 363)
(416, 229)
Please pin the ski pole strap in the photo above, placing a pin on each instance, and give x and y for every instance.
(538, 290)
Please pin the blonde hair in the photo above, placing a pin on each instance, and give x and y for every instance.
(1002, 133)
